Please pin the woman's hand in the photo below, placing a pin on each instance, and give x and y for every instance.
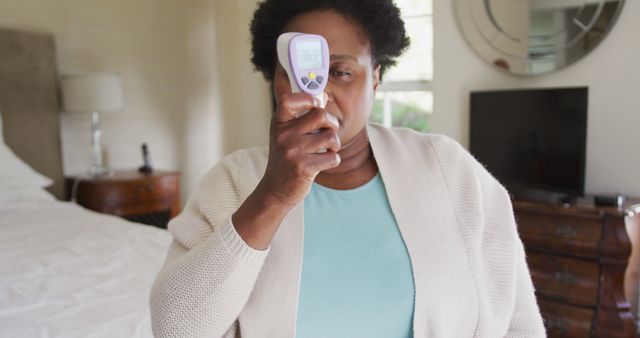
(296, 151)
(296, 156)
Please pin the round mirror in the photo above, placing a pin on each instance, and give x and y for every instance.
(535, 36)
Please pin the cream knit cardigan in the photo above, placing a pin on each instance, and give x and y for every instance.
(470, 274)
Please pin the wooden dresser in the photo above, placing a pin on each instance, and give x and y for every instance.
(151, 199)
(577, 255)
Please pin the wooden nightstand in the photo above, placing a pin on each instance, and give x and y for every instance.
(150, 199)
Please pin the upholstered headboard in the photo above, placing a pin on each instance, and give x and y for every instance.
(29, 102)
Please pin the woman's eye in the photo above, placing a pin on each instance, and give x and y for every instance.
(340, 73)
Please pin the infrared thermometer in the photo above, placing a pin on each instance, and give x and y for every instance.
(305, 58)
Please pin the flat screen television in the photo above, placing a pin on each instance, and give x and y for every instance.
(532, 139)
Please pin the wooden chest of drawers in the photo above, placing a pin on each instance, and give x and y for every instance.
(577, 256)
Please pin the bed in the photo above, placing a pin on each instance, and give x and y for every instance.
(69, 272)
(64, 271)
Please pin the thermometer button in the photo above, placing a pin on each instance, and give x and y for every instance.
(312, 75)
(313, 85)
(305, 80)
(319, 79)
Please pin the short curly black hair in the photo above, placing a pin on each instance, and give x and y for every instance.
(380, 20)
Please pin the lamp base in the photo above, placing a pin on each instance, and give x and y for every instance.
(99, 171)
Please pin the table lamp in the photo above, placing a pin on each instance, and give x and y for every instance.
(94, 94)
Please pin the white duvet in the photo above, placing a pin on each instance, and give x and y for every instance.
(69, 272)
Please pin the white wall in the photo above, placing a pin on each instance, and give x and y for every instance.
(611, 71)
(190, 91)
(202, 127)
(244, 94)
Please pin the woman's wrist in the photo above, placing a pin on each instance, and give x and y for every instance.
(259, 217)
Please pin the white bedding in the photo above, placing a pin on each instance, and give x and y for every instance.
(69, 272)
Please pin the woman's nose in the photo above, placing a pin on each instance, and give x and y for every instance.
(328, 93)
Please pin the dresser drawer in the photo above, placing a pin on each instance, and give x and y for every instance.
(579, 234)
(566, 321)
(135, 192)
(573, 280)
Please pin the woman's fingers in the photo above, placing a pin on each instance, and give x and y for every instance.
(317, 118)
(294, 146)
(300, 147)
(325, 139)
(292, 105)
(323, 161)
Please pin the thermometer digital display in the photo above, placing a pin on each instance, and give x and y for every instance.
(309, 54)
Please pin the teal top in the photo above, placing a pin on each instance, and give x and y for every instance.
(356, 272)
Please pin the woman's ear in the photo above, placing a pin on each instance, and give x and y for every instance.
(376, 76)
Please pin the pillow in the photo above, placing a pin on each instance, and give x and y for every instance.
(15, 173)
(24, 196)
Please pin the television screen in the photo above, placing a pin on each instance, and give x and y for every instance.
(532, 139)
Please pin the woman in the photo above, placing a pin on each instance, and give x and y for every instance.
(390, 233)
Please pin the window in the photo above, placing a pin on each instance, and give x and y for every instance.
(405, 97)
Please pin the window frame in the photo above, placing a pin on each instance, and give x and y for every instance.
(396, 86)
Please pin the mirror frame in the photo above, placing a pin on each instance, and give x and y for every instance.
(483, 33)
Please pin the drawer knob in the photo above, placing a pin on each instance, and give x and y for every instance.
(566, 231)
(566, 277)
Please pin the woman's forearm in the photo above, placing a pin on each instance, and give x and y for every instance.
(258, 218)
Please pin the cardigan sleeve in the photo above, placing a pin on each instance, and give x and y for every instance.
(526, 320)
(499, 234)
(210, 271)
(495, 252)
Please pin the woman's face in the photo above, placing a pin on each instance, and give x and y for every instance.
(353, 78)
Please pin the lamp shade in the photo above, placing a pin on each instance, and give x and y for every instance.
(100, 92)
